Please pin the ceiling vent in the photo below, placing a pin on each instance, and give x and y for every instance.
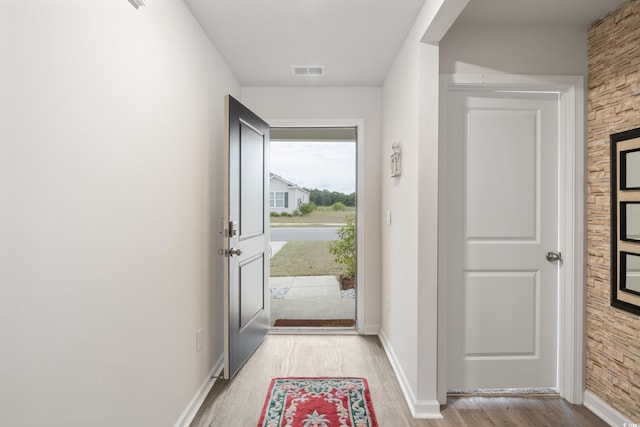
(308, 70)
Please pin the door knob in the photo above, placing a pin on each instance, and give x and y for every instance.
(235, 252)
(554, 256)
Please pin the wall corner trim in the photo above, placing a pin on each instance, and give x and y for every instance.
(420, 409)
(370, 330)
(193, 406)
(444, 18)
(603, 410)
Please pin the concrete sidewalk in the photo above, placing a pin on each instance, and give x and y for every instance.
(311, 287)
(310, 297)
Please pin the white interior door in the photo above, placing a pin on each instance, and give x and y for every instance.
(502, 205)
(246, 270)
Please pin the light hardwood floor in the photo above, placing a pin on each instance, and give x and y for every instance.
(237, 403)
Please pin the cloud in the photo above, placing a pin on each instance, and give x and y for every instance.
(323, 165)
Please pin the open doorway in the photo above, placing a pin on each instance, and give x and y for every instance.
(312, 204)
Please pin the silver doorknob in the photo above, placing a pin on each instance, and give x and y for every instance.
(235, 252)
(554, 256)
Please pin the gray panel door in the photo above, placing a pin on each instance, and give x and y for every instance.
(246, 235)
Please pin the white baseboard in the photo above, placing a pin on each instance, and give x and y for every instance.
(602, 409)
(370, 330)
(192, 408)
(420, 409)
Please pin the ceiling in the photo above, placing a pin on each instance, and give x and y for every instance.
(356, 40)
(537, 12)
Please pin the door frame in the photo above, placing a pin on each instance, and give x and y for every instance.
(361, 324)
(571, 227)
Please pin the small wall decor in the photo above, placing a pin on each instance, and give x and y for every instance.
(138, 3)
(625, 220)
(394, 160)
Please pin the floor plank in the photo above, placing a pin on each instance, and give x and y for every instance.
(237, 403)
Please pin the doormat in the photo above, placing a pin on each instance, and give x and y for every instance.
(316, 323)
(318, 402)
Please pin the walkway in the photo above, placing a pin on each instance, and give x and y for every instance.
(309, 297)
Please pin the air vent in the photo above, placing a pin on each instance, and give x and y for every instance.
(308, 70)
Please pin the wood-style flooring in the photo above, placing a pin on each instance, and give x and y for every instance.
(237, 403)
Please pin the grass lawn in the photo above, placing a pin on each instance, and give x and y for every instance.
(304, 258)
(319, 216)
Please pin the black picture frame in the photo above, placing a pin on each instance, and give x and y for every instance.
(622, 144)
(623, 277)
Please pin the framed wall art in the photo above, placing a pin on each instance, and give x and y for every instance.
(625, 220)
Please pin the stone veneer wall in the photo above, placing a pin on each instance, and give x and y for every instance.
(613, 335)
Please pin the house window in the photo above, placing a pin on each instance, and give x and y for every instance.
(278, 199)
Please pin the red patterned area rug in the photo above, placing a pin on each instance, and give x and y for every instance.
(318, 402)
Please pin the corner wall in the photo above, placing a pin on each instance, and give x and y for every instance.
(111, 141)
(401, 104)
(613, 340)
(410, 241)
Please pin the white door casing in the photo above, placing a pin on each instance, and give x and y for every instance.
(502, 202)
(570, 91)
(363, 325)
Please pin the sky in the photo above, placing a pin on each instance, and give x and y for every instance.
(322, 165)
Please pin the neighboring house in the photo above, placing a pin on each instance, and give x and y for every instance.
(285, 196)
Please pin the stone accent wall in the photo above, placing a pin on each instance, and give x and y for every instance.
(613, 335)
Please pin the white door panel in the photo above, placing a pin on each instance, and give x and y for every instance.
(502, 198)
(501, 174)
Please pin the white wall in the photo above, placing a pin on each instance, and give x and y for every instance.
(551, 50)
(314, 103)
(410, 242)
(401, 102)
(110, 176)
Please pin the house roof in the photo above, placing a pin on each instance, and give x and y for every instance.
(289, 183)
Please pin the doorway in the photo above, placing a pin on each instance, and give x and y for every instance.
(570, 321)
(313, 227)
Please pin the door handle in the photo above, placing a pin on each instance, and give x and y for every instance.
(235, 252)
(554, 256)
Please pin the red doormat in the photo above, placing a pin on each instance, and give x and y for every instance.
(316, 323)
(318, 402)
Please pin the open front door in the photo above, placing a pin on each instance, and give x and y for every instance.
(246, 271)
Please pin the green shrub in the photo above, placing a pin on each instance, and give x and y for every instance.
(307, 208)
(338, 206)
(296, 212)
(344, 249)
(274, 214)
